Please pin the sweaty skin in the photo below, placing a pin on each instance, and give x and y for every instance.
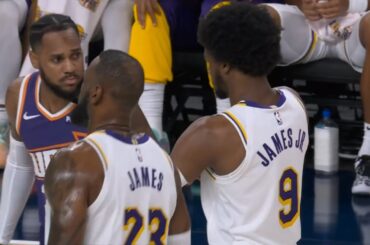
(75, 175)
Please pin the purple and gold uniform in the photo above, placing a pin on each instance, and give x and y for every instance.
(43, 133)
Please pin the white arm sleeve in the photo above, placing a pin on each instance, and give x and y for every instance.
(180, 239)
(17, 184)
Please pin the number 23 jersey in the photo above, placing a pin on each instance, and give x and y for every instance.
(138, 195)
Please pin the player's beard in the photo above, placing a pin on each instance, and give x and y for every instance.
(79, 115)
(71, 96)
(219, 82)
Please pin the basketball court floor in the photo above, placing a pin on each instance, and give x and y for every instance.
(329, 212)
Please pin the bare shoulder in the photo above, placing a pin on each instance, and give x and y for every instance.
(73, 157)
(77, 166)
(209, 132)
(77, 160)
(210, 127)
(209, 142)
(11, 104)
(12, 95)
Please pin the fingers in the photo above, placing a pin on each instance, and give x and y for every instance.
(140, 5)
(331, 9)
(156, 7)
(151, 11)
(150, 7)
(312, 15)
(310, 11)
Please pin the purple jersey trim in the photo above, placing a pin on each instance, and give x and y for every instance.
(133, 140)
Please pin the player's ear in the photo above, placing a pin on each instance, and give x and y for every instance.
(34, 59)
(225, 68)
(96, 94)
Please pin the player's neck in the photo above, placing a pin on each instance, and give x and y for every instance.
(119, 124)
(51, 101)
(256, 89)
(119, 128)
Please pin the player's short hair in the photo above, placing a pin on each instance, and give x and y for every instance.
(49, 23)
(242, 35)
(123, 72)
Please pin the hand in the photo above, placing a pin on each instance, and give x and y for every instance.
(150, 7)
(308, 7)
(329, 9)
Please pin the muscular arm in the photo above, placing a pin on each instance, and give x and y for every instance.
(72, 182)
(189, 153)
(180, 221)
(11, 104)
(18, 176)
(204, 145)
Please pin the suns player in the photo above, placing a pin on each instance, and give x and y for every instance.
(249, 159)
(39, 107)
(336, 29)
(115, 186)
(111, 17)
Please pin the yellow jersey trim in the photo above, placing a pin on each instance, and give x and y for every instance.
(239, 125)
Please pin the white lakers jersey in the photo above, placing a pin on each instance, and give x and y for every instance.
(259, 202)
(138, 195)
(337, 29)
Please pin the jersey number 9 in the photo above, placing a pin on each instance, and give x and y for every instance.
(289, 198)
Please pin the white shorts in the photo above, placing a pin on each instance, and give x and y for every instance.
(300, 44)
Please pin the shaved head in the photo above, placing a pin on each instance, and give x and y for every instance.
(120, 73)
(112, 87)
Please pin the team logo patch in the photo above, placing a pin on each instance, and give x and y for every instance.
(139, 155)
(278, 118)
(341, 32)
(82, 32)
(91, 5)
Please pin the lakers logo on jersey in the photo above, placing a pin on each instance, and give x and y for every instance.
(139, 155)
(90, 4)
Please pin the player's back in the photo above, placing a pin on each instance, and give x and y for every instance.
(259, 202)
(138, 195)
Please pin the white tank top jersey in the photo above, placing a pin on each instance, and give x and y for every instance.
(138, 196)
(259, 202)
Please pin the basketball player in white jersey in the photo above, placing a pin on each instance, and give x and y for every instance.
(249, 159)
(313, 30)
(39, 108)
(114, 186)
